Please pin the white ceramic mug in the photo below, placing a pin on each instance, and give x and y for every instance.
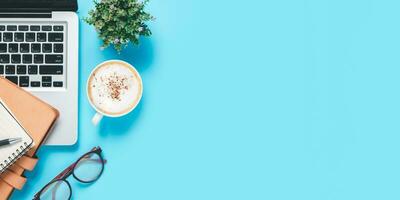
(99, 113)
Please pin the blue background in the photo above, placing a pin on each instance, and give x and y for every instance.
(289, 99)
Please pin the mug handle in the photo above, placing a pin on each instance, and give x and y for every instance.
(97, 118)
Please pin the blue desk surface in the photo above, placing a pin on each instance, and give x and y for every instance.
(293, 99)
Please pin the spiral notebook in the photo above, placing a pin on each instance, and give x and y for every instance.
(11, 128)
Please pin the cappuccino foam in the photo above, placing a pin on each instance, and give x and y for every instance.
(114, 88)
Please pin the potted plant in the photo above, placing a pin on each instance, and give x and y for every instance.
(119, 22)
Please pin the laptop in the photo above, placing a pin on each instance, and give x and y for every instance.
(39, 52)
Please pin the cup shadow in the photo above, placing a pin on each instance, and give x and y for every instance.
(141, 57)
(120, 125)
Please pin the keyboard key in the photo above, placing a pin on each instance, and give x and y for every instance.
(35, 28)
(58, 28)
(13, 79)
(1, 69)
(35, 84)
(19, 37)
(46, 28)
(16, 58)
(51, 69)
(41, 37)
(24, 81)
(21, 69)
(13, 48)
(27, 58)
(58, 48)
(3, 48)
(2, 28)
(4, 58)
(30, 37)
(32, 69)
(46, 84)
(46, 79)
(54, 59)
(36, 48)
(38, 58)
(23, 28)
(47, 48)
(24, 48)
(56, 37)
(10, 69)
(7, 37)
(11, 28)
(57, 84)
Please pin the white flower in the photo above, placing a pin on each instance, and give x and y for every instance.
(140, 29)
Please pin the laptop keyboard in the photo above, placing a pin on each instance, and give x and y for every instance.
(33, 56)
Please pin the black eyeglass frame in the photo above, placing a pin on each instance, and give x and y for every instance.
(67, 172)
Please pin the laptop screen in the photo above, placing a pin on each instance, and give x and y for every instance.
(38, 5)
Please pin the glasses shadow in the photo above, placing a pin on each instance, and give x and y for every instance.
(45, 155)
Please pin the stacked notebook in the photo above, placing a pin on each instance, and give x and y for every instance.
(10, 128)
(34, 119)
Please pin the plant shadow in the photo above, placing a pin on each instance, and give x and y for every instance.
(141, 56)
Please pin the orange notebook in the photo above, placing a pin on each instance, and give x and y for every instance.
(37, 117)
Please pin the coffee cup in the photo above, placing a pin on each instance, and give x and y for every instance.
(114, 89)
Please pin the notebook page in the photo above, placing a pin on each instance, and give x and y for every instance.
(10, 128)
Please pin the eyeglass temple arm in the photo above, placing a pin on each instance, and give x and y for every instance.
(64, 172)
(95, 149)
(69, 168)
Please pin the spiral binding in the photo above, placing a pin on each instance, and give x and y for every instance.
(14, 156)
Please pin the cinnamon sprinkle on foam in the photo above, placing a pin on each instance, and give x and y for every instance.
(116, 84)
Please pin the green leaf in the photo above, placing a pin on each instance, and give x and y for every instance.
(119, 22)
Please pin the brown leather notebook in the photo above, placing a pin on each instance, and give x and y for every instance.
(37, 117)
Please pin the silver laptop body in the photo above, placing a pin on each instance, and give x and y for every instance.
(41, 56)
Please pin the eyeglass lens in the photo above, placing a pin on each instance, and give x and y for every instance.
(89, 168)
(58, 190)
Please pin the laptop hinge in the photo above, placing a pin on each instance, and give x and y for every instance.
(25, 14)
(22, 6)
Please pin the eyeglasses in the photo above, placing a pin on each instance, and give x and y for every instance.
(87, 169)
